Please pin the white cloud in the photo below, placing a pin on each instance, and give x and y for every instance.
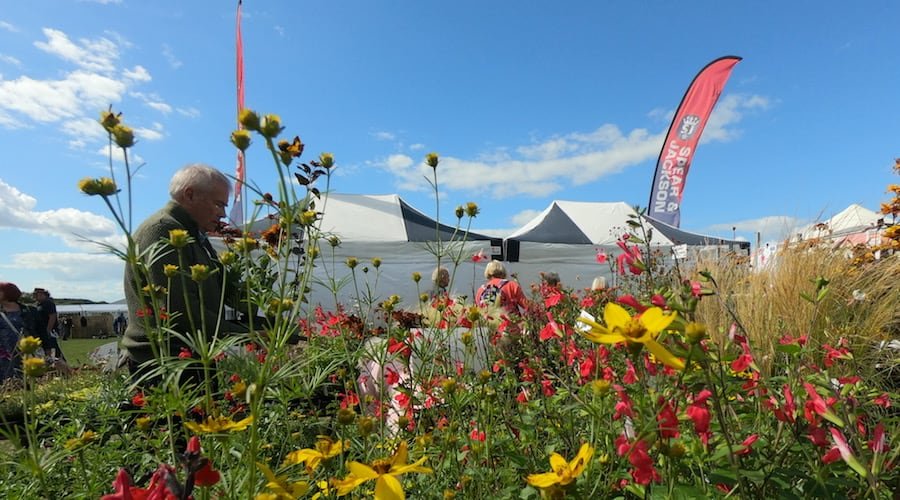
(169, 55)
(83, 130)
(523, 217)
(137, 74)
(771, 228)
(416, 147)
(384, 136)
(10, 60)
(93, 55)
(153, 134)
(53, 100)
(550, 165)
(279, 30)
(118, 155)
(17, 211)
(188, 112)
(9, 27)
(95, 276)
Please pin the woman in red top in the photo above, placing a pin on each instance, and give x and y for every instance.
(499, 290)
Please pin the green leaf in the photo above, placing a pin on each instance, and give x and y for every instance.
(788, 348)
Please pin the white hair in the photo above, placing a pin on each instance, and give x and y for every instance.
(198, 176)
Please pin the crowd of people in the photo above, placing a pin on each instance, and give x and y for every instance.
(20, 319)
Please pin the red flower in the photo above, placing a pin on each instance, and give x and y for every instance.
(629, 300)
(747, 444)
(818, 436)
(479, 256)
(744, 360)
(832, 455)
(550, 330)
(787, 411)
(658, 300)
(698, 412)
(601, 256)
(349, 400)
(668, 420)
(624, 406)
(643, 472)
(392, 377)
(124, 490)
(184, 353)
(522, 398)
(138, 400)
(207, 476)
(547, 387)
(552, 299)
(883, 401)
(630, 376)
(696, 288)
(878, 444)
(396, 346)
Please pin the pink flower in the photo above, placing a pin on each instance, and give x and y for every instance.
(658, 300)
(696, 288)
(601, 256)
(630, 376)
(883, 400)
(878, 444)
(629, 300)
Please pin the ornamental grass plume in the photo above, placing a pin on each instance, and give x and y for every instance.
(622, 327)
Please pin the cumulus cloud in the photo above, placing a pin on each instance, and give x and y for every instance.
(74, 227)
(93, 55)
(97, 276)
(188, 112)
(150, 134)
(384, 136)
(544, 167)
(118, 155)
(82, 131)
(771, 228)
(137, 74)
(524, 217)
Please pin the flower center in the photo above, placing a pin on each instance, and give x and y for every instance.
(633, 329)
(381, 466)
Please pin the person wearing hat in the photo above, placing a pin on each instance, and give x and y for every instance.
(47, 323)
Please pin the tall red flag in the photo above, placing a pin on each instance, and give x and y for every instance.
(237, 208)
(682, 138)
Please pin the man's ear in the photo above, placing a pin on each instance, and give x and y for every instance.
(189, 194)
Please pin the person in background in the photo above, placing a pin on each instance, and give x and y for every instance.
(48, 324)
(501, 291)
(119, 325)
(199, 194)
(68, 328)
(440, 281)
(16, 321)
(599, 283)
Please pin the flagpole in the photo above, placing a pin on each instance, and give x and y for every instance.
(237, 210)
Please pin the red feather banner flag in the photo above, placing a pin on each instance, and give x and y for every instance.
(237, 209)
(683, 137)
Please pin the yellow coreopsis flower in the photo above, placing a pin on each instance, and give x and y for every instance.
(178, 238)
(29, 344)
(84, 439)
(200, 272)
(325, 449)
(384, 472)
(218, 425)
(621, 327)
(279, 487)
(34, 367)
(563, 472)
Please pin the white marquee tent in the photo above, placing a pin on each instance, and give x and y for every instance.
(854, 224)
(566, 236)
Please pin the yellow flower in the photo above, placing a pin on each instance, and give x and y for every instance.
(249, 119)
(29, 344)
(270, 126)
(109, 120)
(240, 139)
(123, 136)
(432, 159)
(199, 272)
(308, 217)
(34, 367)
(84, 439)
(352, 262)
(417, 276)
(169, 270)
(279, 487)
(325, 449)
(563, 472)
(472, 209)
(227, 258)
(384, 472)
(104, 186)
(621, 327)
(143, 423)
(178, 238)
(326, 160)
(218, 425)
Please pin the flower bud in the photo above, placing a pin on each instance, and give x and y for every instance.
(417, 276)
(286, 158)
(449, 386)
(460, 211)
(270, 126)
(109, 120)
(346, 416)
(123, 136)
(249, 119)
(178, 238)
(352, 262)
(34, 367)
(308, 217)
(199, 272)
(170, 270)
(695, 332)
(326, 160)
(376, 262)
(241, 139)
(334, 241)
(365, 425)
(472, 209)
(431, 159)
(227, 258)
(600, 386)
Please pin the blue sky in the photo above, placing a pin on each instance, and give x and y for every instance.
(525, 101)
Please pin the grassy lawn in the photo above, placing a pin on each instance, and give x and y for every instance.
(78, 350)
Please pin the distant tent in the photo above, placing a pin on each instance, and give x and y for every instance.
(387, 227)
(851, 222)
(565, 237)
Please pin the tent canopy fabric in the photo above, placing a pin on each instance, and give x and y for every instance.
(853, 219)
(603, 223)
(376, 218)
